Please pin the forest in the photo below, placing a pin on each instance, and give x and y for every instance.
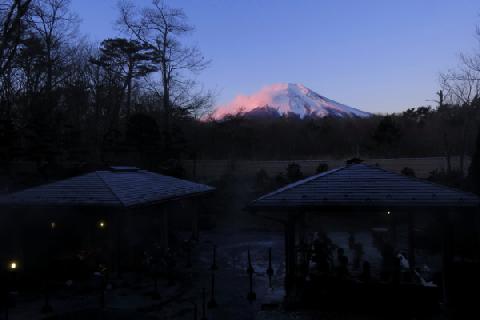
(66, 99)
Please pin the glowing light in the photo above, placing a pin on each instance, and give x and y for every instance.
(53, 225)
(13, 265)
(102, 224)
(389, 213)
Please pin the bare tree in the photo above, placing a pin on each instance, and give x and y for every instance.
(12, 14)
(462, 87)
(161, 28)
(56, 27)
(462, 84)
(12, 29)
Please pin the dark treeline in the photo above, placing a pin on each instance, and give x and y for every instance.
(425, 131)
(63, 98)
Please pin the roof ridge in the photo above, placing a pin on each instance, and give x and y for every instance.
(110, 188)
(299, 182)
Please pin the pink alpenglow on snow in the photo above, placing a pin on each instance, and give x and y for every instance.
(287, 99)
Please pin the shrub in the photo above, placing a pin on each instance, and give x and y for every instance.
(322, 167)
(294, 172)
(262, 181)
(409, 172)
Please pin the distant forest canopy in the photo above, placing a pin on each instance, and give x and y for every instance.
(418, 132)
(63, 98)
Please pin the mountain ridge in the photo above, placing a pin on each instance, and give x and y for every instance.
(286, 99)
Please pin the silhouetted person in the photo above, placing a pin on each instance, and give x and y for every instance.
(342, 268)
(366, 274)
(351, 241)
(341, 256)
(388, 261)
(171, 265)
(321, 254)
(358, 251)
(396, 270)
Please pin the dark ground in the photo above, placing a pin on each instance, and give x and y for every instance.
(233, 239)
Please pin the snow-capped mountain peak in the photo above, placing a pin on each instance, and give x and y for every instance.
(287, 99)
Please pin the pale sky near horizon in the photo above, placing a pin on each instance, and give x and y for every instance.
(379, 56)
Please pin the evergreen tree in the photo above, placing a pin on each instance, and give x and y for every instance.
(387, 132)
(127, 60)
(144, 135)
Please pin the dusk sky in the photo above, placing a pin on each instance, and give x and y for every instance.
(379, 56)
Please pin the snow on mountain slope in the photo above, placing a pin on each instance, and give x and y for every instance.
(287, 99)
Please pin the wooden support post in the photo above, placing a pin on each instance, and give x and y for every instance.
(195, 231)
(165, 229)
(411, 243)
(111, 233)
(302, 228)
(393, 230)
(476, 228)
(302, 254)
(447, 255)
(123, 238)
(118, 239)
(290, 254)
(287, 261)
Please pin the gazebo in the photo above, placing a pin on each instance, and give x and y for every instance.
(107, 204)
(359, 191)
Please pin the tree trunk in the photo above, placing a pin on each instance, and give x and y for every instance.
(464, 144)
(166, 107)
(447, 153)
(129, 89)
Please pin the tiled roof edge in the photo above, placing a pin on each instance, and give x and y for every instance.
(299, 182)
(416, 179)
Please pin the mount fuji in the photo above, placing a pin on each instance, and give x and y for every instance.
(286, 99)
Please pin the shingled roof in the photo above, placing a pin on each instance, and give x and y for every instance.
(361, 185)
(119, 187)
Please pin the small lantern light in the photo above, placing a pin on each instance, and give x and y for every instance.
(388, 213)
(53, 224)
(102, 224)
(13, 265)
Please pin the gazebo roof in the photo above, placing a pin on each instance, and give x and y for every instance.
(361, 185)
(119, 187)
